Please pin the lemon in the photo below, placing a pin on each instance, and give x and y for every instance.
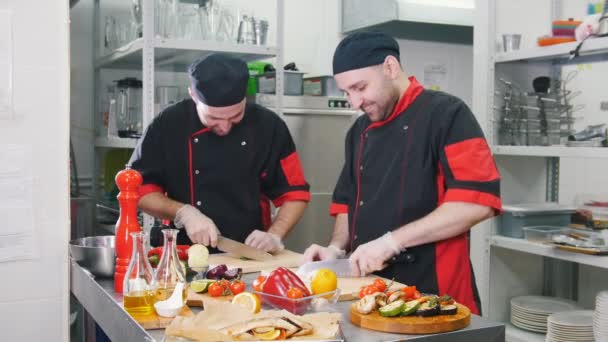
(324, 281)
(248, 300)
(268, 336)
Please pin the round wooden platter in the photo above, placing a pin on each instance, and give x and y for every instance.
(412, 324)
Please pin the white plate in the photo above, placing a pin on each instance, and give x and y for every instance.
(578, 318)
(541, 304)
(527, 327)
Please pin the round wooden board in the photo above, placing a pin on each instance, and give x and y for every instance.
(412, 324)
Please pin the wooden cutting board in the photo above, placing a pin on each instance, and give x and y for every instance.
(284, 258)
(196, 299)
(154, 321)
(350, 287)
(412, 324)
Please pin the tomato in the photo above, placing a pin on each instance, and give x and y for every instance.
(295, 293)
(237, 287)
(409, 291)
(380, 284)
(258, 284)
(417, 295)
(216, 289)
(368, 290)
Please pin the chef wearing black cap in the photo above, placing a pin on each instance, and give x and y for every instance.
(418, 175)
(211, 163)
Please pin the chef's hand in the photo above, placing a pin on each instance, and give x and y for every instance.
(372, 256)
(200, 228)
(268, 242)
(320, 253)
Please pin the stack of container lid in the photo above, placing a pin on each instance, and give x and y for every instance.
(562, 32)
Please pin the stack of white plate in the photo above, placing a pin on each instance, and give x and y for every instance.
(600, 318)
(531, 312)
(570, 326)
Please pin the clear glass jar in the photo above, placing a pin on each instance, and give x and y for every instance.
(138, 290)
(170, 270)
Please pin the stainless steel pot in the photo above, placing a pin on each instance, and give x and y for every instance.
(95, 253)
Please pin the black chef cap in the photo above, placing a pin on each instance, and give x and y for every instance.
(219, 80)
(363, 49)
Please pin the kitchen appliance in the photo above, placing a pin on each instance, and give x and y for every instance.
(318, 126)
(603, 24)
(129, 107)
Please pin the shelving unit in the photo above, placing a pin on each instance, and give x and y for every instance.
(151, 53)
(514, 267)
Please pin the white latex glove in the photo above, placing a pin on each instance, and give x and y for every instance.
(372, 256)
(265, 241)
(200, 228)
(320, 253)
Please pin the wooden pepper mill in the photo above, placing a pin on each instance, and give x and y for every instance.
(128, 182)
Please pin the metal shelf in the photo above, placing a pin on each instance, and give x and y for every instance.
(551, 151)
(560, 51)
(515, 334)
(526, 246)
(116, 142)
(172, 54)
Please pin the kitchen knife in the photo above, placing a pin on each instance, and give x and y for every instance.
(242, 250)
(340, 266)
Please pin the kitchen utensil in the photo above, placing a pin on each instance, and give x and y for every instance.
(592, 131)
(510, 42)
(603, 23)
(169, 272)
(261, 31)
(136, 17)
(340, 266)
(246, 33)
(138, 291)
(242, 250)
(95, 253)
(172, 306)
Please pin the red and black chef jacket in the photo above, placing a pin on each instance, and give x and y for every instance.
(430, 150)
(228, 178)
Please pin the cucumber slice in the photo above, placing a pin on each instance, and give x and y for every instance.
(393, 309)
(410, 307)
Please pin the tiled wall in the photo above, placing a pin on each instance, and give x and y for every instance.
(34, 293)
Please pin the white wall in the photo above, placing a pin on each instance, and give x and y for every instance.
(34, 293)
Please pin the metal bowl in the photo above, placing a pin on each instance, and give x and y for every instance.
(95, 253)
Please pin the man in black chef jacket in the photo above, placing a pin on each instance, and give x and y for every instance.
(211, 163)
(418, 175)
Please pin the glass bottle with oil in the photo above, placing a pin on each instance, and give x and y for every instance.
(170, 270)
(138, 290)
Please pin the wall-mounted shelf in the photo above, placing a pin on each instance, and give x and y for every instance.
(551, 151)
(553, 52)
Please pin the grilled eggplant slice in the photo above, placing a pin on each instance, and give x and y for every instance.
(429, 308)
(449, 309)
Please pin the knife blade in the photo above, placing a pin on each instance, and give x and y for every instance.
(340, 266)
(242, 250)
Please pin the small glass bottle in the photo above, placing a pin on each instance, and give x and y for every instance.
(170, 270)
(138, 290)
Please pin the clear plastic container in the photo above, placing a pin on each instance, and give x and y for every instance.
(541, 233)
(321, 302)
(515, 217)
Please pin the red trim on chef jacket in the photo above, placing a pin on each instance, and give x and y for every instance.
(206, 129)
(292, 168)
(410, 94)
(473, 196)
(453, 277)
(471, 160)
(265, 207)
(149, 188)
(337, 208)
(453, 270)
(291, 196)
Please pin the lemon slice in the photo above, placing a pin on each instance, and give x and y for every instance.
(269, 336)
(248, 300)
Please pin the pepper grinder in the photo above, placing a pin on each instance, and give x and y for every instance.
(128, 182)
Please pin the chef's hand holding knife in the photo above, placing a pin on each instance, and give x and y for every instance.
(374, 255)
(320, 253)
(200, 228)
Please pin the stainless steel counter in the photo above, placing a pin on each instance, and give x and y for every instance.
(98, 298)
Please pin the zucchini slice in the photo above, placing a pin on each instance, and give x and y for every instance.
(393, 309)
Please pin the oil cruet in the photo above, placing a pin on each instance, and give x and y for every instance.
(169, 271)
(138, 290)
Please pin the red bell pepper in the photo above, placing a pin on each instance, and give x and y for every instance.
(278, 284)
(182, 253)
